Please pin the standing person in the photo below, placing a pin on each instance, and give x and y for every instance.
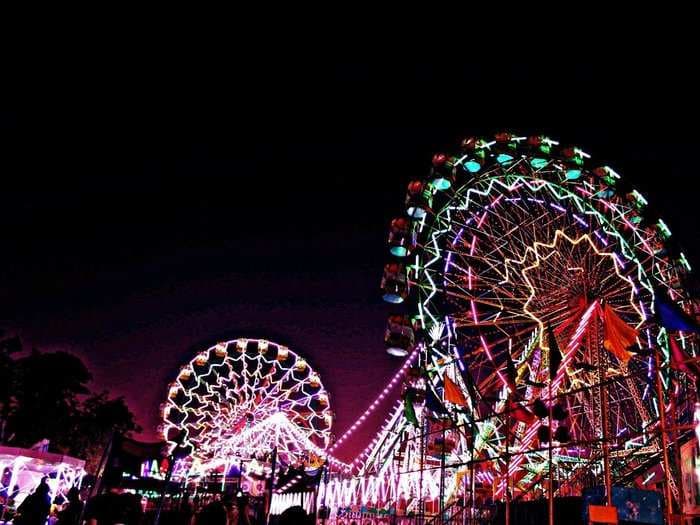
(35, 507)
(295, 516)
(243, 511)
(185, 511)
(114, 507)
(213, 513)
(232, 513)
(70, 514)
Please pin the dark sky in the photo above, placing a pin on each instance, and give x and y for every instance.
(153, 204)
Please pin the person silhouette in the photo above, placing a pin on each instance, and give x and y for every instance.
(35, 507)
(70, 514)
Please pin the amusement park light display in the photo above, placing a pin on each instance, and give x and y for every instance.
(527, 288)
(391, 384)
(510, 250)
(245, 397)
(21, 470)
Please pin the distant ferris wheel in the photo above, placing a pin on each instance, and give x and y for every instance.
(246, 396)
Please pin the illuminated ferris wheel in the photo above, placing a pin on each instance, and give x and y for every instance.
(245, 397)
(533, 280)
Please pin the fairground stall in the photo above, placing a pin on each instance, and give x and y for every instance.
(23, 469)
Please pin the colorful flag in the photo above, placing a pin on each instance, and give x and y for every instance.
(679, 358)
(408, 411)
(452, 392)
(520, 413)
(618, 335)
(672, 316)
(469, 383)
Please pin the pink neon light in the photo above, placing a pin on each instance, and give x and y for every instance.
(600, 238)
(459, 234)
(619, 260)
(580, 220)
(566, 359)
(634, 229)
(628, 223)
(557, 207)
(373, 406)
(488, 353)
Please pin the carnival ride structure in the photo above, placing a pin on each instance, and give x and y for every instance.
(535, 299)
(549, 341)
(244, 398)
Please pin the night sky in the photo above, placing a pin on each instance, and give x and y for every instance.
(155, 205)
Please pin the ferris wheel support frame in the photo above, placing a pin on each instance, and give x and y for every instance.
(618, 214)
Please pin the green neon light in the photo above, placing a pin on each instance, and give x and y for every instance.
(504, 158)
(573, 174)
(571, 459)
(640, 199)
(684, 261)
(421, 316)
(610, 177)
(664, 229)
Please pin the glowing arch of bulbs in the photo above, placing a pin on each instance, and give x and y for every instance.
(253, 388)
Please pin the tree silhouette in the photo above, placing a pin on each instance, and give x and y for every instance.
(46, 395)
(98, 417)
(47, 387)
